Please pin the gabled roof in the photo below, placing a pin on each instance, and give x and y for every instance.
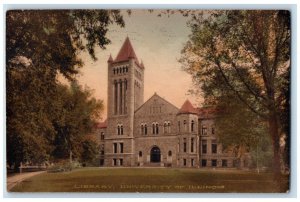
(126, 52)
(155, 95)
(187, 108)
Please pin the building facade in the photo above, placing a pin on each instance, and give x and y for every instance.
(155, 132)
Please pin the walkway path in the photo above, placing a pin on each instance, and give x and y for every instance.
(15, 179)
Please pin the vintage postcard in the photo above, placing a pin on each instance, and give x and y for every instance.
(149, 101)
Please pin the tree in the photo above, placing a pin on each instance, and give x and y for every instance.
(41, 44)
(250, 50)
(240, 130)
(90, 152)
(79, 112)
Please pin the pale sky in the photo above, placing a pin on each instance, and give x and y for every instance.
(157, 41)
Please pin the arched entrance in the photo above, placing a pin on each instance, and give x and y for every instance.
(155, 155)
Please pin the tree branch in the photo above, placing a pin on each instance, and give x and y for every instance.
(237, 92)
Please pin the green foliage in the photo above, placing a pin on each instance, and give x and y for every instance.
(89, 153)
(243, 56)
(43, 116)
(78, 113)
(53, 38)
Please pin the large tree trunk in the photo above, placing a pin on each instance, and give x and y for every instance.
(274, 133)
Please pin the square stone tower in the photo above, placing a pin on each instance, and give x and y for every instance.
(125, 95)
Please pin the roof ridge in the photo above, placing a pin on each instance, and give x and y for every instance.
(126, 52)
(187, 108)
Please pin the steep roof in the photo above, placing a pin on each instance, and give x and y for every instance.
(126, 52)
(153, 97)
(110, 59)
(187, 108)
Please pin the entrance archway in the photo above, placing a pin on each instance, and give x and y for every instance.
(155, 155)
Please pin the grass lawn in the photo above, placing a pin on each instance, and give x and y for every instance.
(152, 180)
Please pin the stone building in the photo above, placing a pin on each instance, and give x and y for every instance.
(155, 132)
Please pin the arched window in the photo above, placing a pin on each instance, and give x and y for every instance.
(118, 130)
(121, 129)
(123, 69)
(116, 97)
(192, 145)
(169, 127)
(126, 69)
(114, 71)
(184, 125)
(170, 153)
(157, 131)
(121, 97)
(142, 129)
(140, 153)
(165, 127)
(192, 126)
(145, 128)
(153, 128)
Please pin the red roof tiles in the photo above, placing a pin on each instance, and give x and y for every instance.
(126, 52)
(187, 108)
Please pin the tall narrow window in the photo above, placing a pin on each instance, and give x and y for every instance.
(145, 129)
(204, 130)
(204, 146)
(214, 162)
(178, 126)
(121, 162)
(214, 147)
(184, 162)
(153, 128)
(121, 147)
(125, 95)
(115, 148)
(157, 129)
(203, 162)
(192, 144)
(121, 129)
(102, 136)
(192, 162)
(121, 97)
(165, 127)
(192, 126)
(184, 144)
(140, 153)
(115, 162)
(169, 127)
(142, 129)
(213, 130)
(116, 97)
(184, 126)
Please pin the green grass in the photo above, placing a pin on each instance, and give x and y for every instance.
(152, 180)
